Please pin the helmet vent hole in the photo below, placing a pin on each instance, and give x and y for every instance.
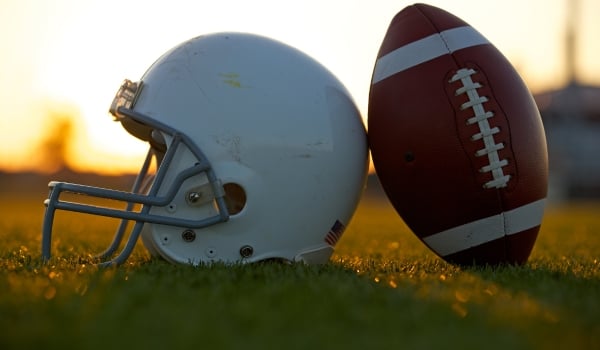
(235, 197)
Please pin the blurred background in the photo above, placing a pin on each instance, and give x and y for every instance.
(62, 61)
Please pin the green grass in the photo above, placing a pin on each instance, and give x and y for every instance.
(382, 290)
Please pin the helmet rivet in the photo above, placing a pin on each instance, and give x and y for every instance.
(188, 235)
(171, 208)
(193, 197)
(246, 251)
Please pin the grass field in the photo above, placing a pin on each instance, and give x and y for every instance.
(382, 290)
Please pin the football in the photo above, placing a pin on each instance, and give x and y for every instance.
(457, 140)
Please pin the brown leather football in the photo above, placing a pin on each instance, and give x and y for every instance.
(457, 140)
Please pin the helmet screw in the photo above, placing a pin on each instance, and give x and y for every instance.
(188, 235)
(246, 251)
(193, 197)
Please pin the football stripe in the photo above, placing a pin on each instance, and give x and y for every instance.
(485, 230)
(426, 49)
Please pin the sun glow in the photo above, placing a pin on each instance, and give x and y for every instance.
(67, 58)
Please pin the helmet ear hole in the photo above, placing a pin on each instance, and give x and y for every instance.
(235, 197)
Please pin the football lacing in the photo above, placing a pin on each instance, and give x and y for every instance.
(486, 133)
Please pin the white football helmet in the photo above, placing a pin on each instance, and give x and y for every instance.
(261, 154)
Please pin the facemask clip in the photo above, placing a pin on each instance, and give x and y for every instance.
(125, 97)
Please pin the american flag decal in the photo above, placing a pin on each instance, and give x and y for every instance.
(335, 233)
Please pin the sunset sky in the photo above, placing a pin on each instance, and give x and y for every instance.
(67, 58)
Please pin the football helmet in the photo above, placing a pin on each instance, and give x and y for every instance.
(260, 153)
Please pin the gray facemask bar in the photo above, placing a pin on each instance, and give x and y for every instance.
(135, 197)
